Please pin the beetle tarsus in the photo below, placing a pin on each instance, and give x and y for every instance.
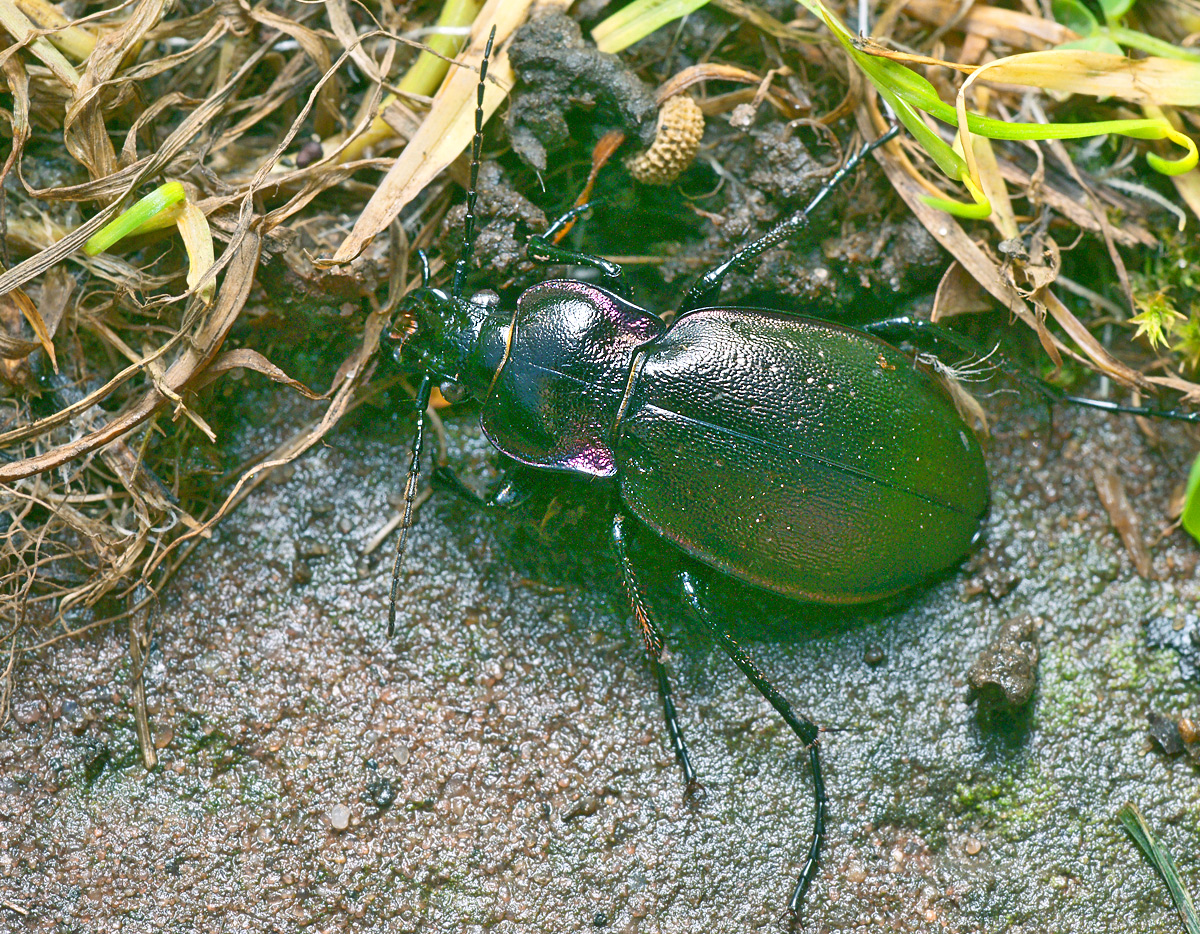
(802, 726)
(809, 872)
(652, 638)
(673, 729)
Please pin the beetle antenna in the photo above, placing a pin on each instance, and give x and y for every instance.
(424, 391)
(460, 265)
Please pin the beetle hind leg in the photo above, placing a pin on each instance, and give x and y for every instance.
(653, 640)
(802, 726)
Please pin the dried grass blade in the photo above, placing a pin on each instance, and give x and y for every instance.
(1018, 30)
(446, 130)
(34, 317)
(197, 240)
(1124, 518)
(20, 28)
(126, 180)
(1158, 81)
(244, 253)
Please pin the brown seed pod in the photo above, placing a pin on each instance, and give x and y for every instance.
(676, 141)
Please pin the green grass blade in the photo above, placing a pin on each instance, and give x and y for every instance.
(637, 20)
(142, 216)
(1191, 502)
(1160, 858)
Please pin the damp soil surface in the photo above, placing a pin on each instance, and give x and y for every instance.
(501, 764)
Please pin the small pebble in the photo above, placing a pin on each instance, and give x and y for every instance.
(1006, 671)
(401, 755)
(339, 817)
(873, 655)
(308, 548)
(972, 846)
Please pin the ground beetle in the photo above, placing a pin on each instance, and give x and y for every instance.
(809, 459)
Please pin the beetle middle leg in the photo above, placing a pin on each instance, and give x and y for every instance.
(802, 726)
(706, 289)
(653, 640)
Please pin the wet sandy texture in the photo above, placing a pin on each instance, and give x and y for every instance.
(502, 765)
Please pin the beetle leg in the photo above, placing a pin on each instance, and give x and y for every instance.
(512, 490)
(542, 249)
(927, 334)
(800, 724)
(652, 637)
(410, 494)
(705, 290)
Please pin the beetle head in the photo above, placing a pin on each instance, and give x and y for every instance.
(436, 334)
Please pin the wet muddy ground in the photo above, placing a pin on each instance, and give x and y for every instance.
(501, 765)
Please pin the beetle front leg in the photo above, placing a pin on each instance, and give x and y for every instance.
(511, 491)
(706, 289)
(652, 637)
(542, 249)
(804, 728)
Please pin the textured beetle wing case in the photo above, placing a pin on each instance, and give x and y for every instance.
(800, 456)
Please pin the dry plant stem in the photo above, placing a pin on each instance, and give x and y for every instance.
(351, 372)
(1064, 158)
(1128, 234)
(70, 39)
(140, 633)
(766, 23)
(679, 82)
